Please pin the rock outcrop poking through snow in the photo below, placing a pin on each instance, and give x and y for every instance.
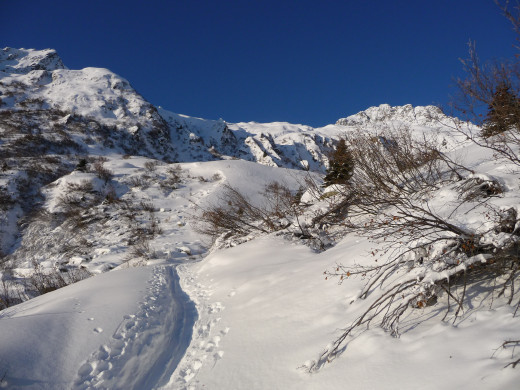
(23, 61)
(422, 115)
(36, 80)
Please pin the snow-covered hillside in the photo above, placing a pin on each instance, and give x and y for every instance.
(109, 282)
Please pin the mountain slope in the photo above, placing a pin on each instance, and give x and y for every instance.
(96, 180)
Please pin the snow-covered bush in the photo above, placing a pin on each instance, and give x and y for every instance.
(436, 236)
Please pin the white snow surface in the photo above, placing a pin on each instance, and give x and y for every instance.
(265, 308)
(255, 316)
(252, 316)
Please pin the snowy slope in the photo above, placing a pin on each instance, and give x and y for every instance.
(263, 311)
(130, 327)
(89, 187)
(266, 309)
(424, 116)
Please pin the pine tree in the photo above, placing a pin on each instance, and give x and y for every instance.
(341, 165)
(504, 112)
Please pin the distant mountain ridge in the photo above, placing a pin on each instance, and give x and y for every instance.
(35, 80)
(421, 115)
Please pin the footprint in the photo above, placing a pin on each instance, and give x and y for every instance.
(188, 375)
(103, 366)
(85, 370)
(130, 325)
(103, 353)
(118, 348)
(215, 308)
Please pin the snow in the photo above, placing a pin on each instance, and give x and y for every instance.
(256, 315)
(253, 316)
(275, 310)
(45, 340)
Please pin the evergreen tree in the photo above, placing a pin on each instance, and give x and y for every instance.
(504, 112)
(341, 165)
(82, 165)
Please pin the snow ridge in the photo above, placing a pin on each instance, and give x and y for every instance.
(23, 61)
(421, 115)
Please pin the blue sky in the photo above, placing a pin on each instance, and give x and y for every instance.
(302, 61)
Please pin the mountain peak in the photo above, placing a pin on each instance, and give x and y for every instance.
(421, 115)
(22, 61)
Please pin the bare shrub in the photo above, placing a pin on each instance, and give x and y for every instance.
(425, 250)
(172, 179)
(151, 166)
(140, 250)
(235, 214)
(154, 226)
(43, 281)
(110, 195)
(10, 294)
(6, 200)
(84, 186)
(139, 182)
(479, 188)
(103, 173)
(147, 206)
(511, 345)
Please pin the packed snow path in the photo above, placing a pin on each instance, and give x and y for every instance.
(146, 348)
(131, 347)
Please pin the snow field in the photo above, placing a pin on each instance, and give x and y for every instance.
(282, 313)
(45, 340)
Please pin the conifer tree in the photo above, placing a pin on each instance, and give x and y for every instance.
(504, 112)
(341, 165)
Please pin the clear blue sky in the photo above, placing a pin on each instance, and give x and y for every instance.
(301, 61)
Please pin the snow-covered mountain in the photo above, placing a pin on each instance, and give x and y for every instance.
(94, 101)
(95, 180)
(102, 110)
(53, 117)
